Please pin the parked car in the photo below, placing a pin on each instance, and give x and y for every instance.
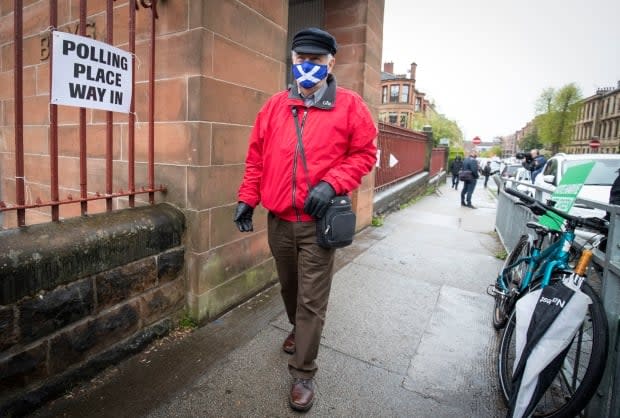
(596, 187)
(519, 173)
(510, 170)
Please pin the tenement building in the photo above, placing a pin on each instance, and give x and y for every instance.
(598, 125)
(401, 103)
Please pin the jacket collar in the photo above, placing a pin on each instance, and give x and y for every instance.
(327, 102)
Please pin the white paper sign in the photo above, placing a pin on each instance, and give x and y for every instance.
(89, 73)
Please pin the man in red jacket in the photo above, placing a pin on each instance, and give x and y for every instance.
(338, 132)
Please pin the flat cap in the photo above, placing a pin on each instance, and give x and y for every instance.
(314, 41)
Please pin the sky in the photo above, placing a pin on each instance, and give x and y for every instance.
(485, 62)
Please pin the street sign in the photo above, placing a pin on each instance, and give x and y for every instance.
(476, 141)
(595, 143)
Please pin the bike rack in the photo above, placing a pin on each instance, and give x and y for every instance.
(510, 221)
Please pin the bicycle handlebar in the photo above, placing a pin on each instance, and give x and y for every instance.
(536, 206)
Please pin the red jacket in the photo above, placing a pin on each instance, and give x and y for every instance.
(338, 137)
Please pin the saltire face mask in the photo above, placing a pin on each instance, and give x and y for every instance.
(308, 74)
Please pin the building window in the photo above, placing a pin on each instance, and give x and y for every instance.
(393, 118)
(418, 104)
(394, 93)
(403, 120)
(384, 95)
(404, 94)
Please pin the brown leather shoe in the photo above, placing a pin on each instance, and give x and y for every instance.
(289, 344)
(302, 394)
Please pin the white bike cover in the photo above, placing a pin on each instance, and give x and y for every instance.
(565, 307)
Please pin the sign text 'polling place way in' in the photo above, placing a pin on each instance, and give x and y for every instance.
(89, 73)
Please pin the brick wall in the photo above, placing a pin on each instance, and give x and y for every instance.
(86, 299)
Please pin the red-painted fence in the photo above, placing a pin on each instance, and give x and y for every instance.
(402, 153)
(47, 190)
(438, 160)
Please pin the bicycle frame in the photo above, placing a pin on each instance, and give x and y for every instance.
(541, 263)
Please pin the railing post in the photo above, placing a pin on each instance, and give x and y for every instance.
(428, 130)
(151, 149)
(19, 111)
(53, 145)
(132, 106)
(109, 186)
(83, 154)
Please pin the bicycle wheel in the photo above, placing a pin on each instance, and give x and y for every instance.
(581, 371)
(513, 277)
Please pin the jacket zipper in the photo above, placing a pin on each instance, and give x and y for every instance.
(301, 129)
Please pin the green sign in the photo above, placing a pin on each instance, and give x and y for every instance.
(566, 193)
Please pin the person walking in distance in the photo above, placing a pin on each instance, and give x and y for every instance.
(455, 167)
(338, 135)
(470, 164)
(487, 171)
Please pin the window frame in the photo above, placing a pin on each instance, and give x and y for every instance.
(394, 97)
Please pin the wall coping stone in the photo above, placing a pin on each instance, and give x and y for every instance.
(43, 256)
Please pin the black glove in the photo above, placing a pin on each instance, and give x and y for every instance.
(318, 200)
(243, 217)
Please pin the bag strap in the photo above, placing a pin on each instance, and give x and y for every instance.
(300, 143)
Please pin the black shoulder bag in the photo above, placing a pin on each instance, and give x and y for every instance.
(337, 227)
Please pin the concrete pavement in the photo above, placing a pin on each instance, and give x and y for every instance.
(408, 334)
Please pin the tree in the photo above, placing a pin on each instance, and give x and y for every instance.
(558, 113)
(442, 128)
(531, 140)
(495, 151)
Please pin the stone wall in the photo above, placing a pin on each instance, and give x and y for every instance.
(79, 295)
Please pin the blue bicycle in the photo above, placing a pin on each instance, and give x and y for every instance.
(529, 267)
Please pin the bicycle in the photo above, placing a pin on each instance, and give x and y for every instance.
(529, 267)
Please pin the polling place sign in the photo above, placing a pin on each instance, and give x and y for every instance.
(91, 74)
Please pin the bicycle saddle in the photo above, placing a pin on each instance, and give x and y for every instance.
(538, 228)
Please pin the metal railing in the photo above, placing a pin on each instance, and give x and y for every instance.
(402, 154)
(510, 225)
(52, 186)
(438, 160)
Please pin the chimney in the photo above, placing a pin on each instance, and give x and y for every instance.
(388, 67)
(413, 67)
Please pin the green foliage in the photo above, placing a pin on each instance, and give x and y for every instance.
(545, 100)
(187, 323)
(531, 140)
(442, 128)
(377, 221)
(501, 254)
(454, 151)
(560, 109)
(494, 151)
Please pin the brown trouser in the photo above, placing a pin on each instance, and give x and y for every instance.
(305, 271)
